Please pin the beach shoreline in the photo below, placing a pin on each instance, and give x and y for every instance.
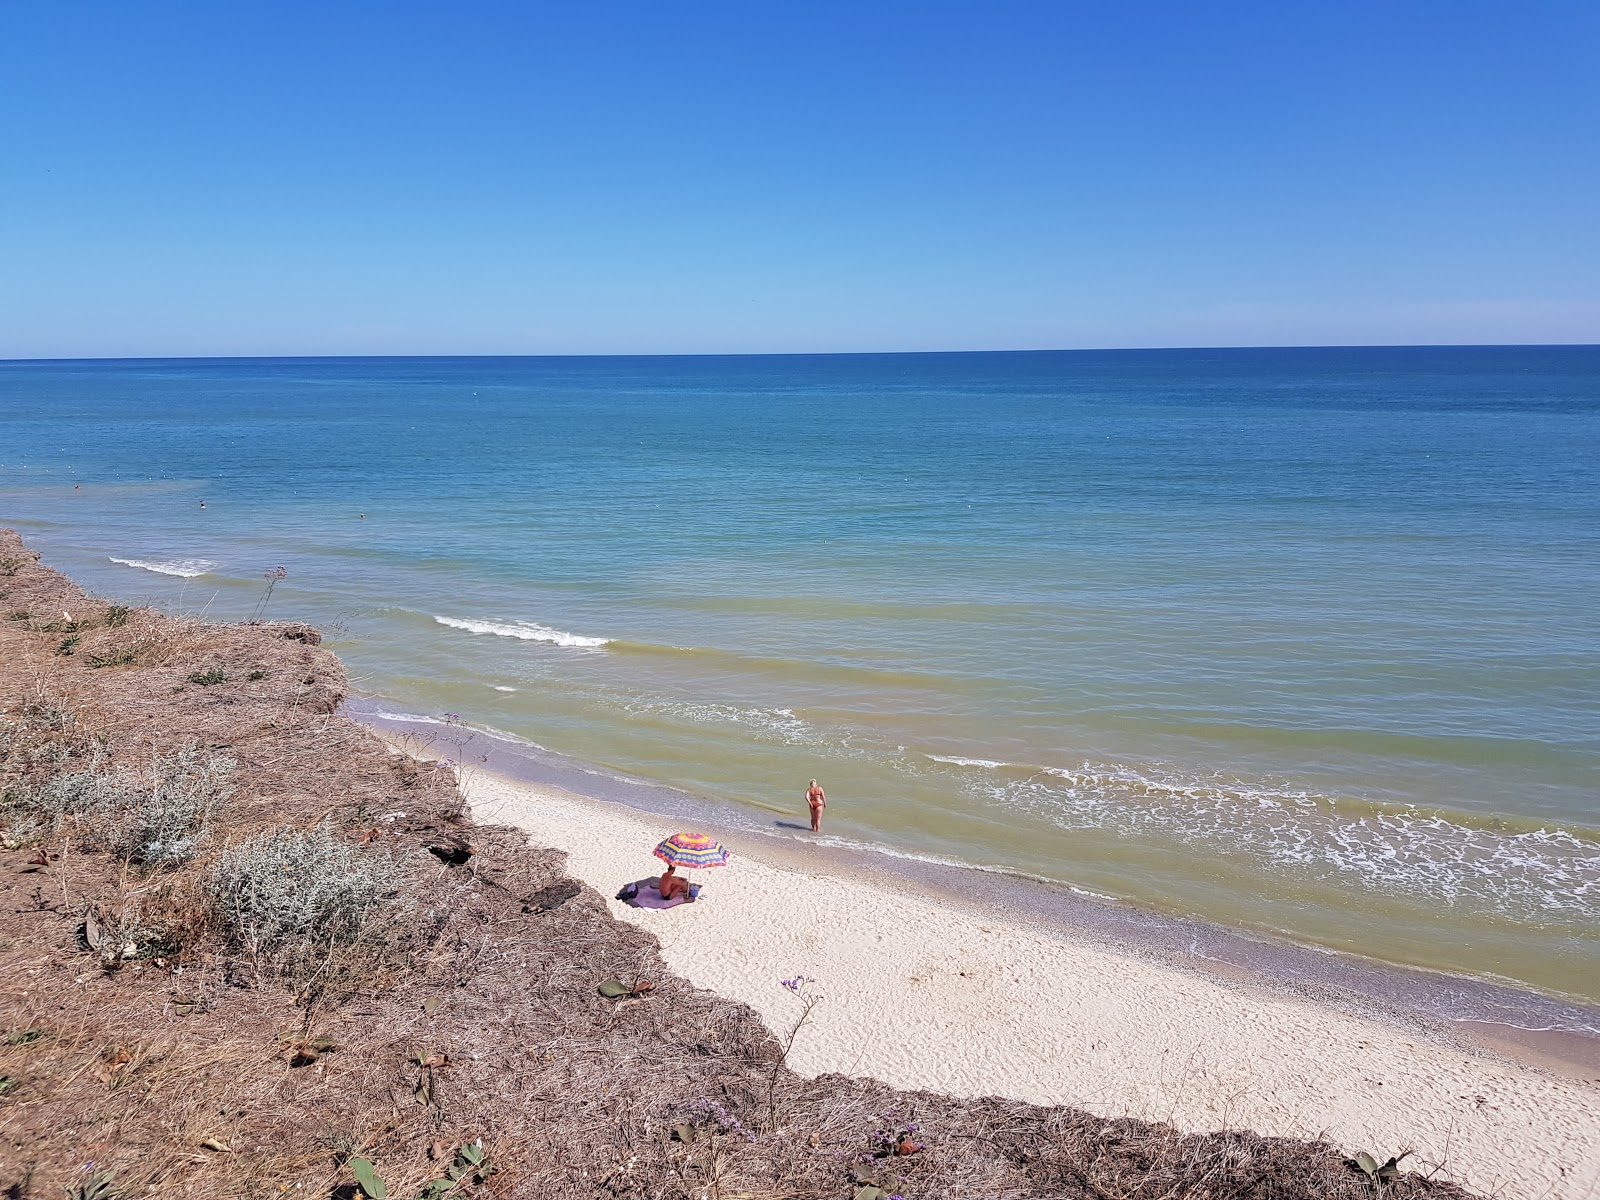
(1555, 1031)
(928, 989)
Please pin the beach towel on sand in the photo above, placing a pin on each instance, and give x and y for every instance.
(644, 894)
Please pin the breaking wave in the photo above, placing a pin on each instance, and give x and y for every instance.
(183, 568)
(528, 631)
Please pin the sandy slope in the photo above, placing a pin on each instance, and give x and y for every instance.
(933, 995)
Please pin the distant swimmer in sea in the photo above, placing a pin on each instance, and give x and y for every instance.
(818, 801)
(202, 504)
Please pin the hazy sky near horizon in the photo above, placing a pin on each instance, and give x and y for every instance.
(503, 177)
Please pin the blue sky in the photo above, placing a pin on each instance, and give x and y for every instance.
(484, 177)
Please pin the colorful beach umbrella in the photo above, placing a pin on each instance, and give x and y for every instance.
(692, 850)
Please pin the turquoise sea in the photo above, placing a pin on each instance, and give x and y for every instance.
(1305, 642)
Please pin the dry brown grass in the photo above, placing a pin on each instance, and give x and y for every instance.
(193, 1073)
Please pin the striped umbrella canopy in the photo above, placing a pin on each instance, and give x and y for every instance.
(692, 850)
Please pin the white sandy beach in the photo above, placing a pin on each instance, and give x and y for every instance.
(928, 994)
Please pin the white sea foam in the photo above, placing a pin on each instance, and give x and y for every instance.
(1528, 875)
(409, 718)
(958, 761)
(451, 722)
(505, 735)
(778, 724)
(502, 688)
(1210, 790)
(941, 860)
(528, 631)
(184, 568)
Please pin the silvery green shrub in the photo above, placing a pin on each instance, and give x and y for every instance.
(171, 810)
(285, 889)
(93, 791)
(157, 816)
(79, 794)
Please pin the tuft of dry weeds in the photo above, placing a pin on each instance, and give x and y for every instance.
(190, 1066)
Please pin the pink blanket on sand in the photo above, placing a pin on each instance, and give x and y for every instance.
(644, 894)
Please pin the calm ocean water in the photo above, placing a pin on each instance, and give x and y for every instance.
(1303, 641)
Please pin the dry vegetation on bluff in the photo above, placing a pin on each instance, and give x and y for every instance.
(246, 950)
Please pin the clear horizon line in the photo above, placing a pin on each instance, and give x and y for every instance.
(87, 358)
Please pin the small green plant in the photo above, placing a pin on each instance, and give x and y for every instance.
(117, 615)
(21, 1037)
(10, 564)
(616, 989)
(258, 673)
(114, 658)
(1371, 1168)
(68, 645)
(343, 1141)
(18, 614)
(471, 1165)
(65, 625)
(368, 1179)
(209, 677)
(6, 1084)
(98, 1186)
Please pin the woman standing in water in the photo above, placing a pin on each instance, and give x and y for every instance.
(818, 802)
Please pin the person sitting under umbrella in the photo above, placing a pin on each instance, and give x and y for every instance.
(679, 850)
(672, 884)
(686, 850)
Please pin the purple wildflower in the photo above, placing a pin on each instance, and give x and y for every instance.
(716, 1115)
